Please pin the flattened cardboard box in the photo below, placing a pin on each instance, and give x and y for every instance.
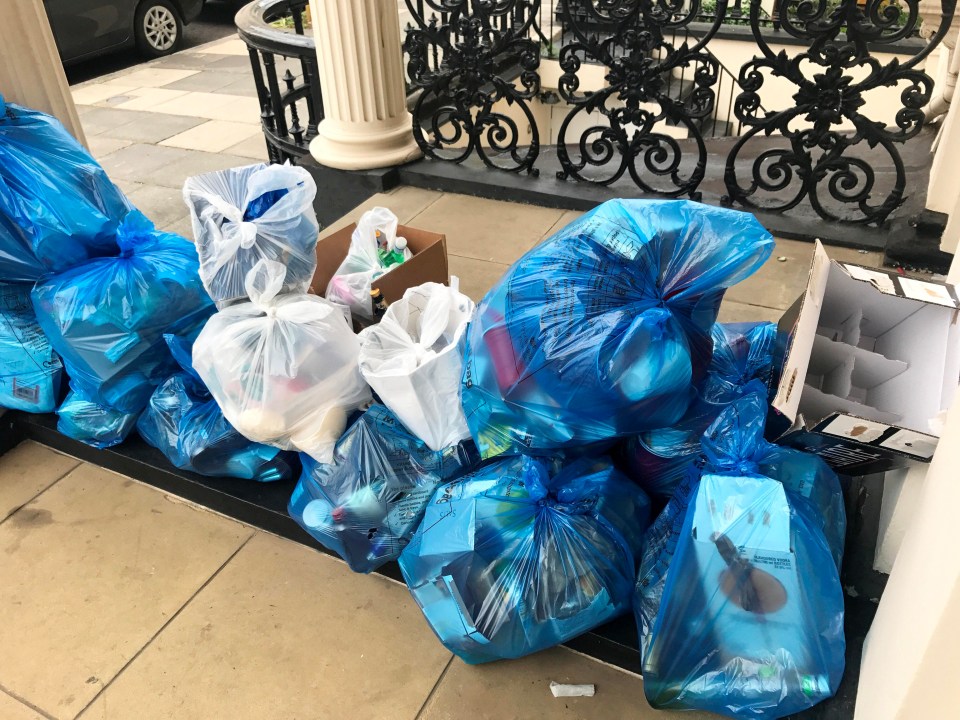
(428, 264)
(870, 358)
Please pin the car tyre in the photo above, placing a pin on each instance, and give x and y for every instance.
(158, 28)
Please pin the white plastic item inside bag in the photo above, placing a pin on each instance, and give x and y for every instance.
(243, 215)
(353, 280)
(414, 358)
(282, 368)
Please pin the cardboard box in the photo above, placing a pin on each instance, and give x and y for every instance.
(428, 264)
(869, 360)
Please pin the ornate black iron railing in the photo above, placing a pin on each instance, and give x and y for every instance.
(289, 92)
(665, 94)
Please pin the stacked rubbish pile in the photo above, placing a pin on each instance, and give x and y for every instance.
(585, 443)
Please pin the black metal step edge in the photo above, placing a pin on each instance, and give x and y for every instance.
(260, 505)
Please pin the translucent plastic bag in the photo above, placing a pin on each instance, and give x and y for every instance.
(57, 206)
(602, 330)
(106, 318)
(517, 557)
(283, 368)
(243, 215)
(738, 599)
(93, 424)
(187, 426)
(366, 504)
(30, 371)
(375, 235)
(742, 362)
(413, 359)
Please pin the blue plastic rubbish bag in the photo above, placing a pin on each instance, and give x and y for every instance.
(742, 362)
(185, 423)
(366, 504)
(246, 214)
(93, 424)
(738, 600)
(30, 371)
(107, 317)
(602, 330)
(517, 557)
(57, 206)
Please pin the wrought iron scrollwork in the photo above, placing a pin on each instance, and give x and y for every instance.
(832, 76)
(459, 62)
(646, 105)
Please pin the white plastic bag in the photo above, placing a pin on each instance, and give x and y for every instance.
(243, 215)
(414, 357)
(282, 368)
(353, 280)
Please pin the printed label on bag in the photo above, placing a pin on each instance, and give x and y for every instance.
(30, 393)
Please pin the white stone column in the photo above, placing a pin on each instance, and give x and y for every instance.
(366, 123)
(912, 652)
(31, 73)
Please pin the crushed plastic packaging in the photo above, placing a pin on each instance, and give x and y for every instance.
(366, 504)
(106, 318)
(246, 214)
(603, 330)
(283, 368)
(742, 363)
(374, 238)
(521, 555)
(738, 600)
(58, 208)
(30, 371)
(413, 359)
(185, 423)
(93, 424)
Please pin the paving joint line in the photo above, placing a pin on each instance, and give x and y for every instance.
(165, 625)
(22, 506)
(433, 690)
(24, 701)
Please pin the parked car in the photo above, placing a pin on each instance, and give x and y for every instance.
(87, 28)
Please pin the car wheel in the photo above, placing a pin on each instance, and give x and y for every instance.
(158, 28)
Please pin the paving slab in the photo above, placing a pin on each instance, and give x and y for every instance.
(520, 689)
(204, 82)
(90, 94)
(149, 98)
(151, 127)
(93, 568)
(407, 203)
(25, 472)
(214, 136)
(242, 86)
(476, 276)
(13, 709)
(213, 106)
(163, 205)
(97, 120)
(254, 147)
(167, 166)
(489, 230)
(101, 145)
(284, 632)
(735, 312)
(156, 77)
(779, 283)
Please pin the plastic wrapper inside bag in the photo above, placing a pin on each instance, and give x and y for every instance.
(57, 206)
(283, 368)
(366, 504)
(738, 600)
(30, 371)
(106, 318)
(413, 359)
(742, 362)
(374, 249)
(520, 555)
(243, 215)
(93, 424)
(603, 330)
(185, 423)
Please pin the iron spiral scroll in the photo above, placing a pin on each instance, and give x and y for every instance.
(831, 79)
(456, 60)
(642, 43)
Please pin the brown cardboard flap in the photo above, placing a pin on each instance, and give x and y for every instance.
(428, 264)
